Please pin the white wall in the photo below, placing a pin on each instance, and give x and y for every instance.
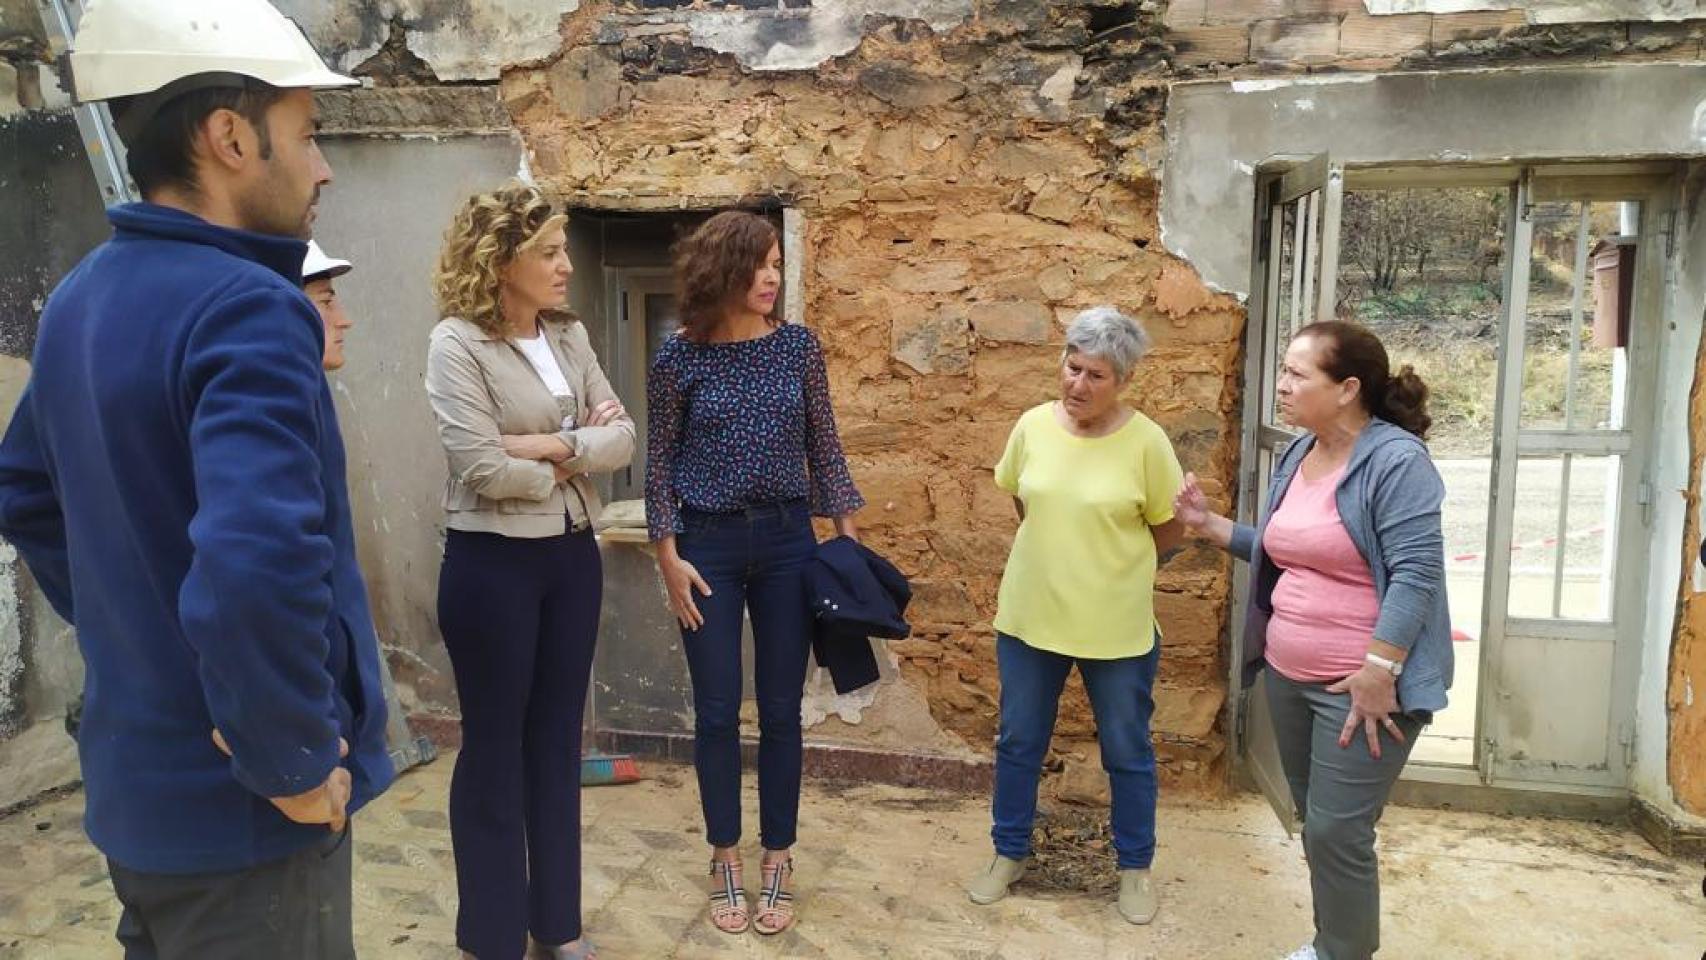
(1685, 295)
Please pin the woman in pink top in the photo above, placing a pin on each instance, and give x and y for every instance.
(1347, 609)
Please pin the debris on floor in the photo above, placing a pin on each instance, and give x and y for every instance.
(1072, 850)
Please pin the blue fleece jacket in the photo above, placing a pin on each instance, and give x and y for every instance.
(174, 478)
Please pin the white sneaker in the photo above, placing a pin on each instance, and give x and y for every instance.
(1305, 952)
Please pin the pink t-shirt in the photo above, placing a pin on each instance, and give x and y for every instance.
(1325, 606)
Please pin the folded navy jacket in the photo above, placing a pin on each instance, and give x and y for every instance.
(854, 595)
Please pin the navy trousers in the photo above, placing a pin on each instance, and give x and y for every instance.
(520, 619)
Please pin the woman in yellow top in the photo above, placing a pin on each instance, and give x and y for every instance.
(1093, 481)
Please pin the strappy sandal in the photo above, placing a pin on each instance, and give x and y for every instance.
(728, 899)
(775, 904)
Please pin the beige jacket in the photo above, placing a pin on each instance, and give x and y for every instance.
(482, 388)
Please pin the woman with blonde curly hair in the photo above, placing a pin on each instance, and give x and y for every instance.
(741, 452)
(526, 417)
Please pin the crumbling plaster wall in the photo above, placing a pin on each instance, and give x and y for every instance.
(964, 193)
(469, 40)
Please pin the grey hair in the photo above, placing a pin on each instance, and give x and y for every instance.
(1107, 333)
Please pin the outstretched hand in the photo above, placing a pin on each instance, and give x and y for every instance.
(1191, 504)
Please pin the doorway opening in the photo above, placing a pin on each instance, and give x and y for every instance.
(1526, 298)
(624, 291)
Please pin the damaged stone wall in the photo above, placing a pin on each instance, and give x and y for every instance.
(964, 193)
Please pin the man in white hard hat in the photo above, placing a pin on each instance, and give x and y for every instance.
(318, 272)
(174, 477)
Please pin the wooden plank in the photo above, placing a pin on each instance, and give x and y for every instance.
(1299, 40)
(1201, 46)
(1365, 35)
(1450, 28)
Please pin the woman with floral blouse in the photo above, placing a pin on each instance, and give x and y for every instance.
(742, 452)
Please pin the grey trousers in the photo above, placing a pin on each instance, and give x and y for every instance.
(1339, 793)
(297, 908)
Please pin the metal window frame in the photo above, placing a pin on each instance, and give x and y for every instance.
(1278, 181)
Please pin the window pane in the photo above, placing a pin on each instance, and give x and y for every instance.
(1278, 328)
(1575, 335)
(1422, 268)
(661, 322)
(1562, 561)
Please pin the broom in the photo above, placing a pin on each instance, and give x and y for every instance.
(599, 768)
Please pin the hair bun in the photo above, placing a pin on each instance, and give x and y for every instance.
(1406, 401)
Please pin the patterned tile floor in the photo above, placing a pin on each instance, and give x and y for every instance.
(882, 872)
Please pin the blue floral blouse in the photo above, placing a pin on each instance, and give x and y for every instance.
(733, 425)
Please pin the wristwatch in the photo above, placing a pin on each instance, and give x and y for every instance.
(1394, 667)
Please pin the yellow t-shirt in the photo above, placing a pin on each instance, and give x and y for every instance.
(1080, 580)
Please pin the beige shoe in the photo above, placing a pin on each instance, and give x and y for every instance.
(1138, 902)
(991, 885)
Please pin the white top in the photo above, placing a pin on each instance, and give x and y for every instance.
(538, 352)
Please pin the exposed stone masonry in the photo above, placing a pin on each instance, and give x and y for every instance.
(963, 197)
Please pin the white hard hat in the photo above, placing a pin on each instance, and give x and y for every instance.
(318, 266)
(128, 47)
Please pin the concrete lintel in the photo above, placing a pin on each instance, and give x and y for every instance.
(622, 201)
(1216, 132)
(473, 110)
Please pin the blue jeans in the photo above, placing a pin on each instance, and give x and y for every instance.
(1121, 695)
(754, 561)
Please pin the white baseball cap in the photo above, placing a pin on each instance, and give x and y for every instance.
(318, 266)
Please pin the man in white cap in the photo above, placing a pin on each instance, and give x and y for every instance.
(318, 272)
(174, 477)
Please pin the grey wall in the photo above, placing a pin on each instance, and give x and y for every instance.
(52, 217)
(1217, 132)
(386, 212)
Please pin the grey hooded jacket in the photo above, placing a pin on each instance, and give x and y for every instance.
(1389, 501)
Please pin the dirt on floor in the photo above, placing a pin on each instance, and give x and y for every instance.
(1070, 851)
